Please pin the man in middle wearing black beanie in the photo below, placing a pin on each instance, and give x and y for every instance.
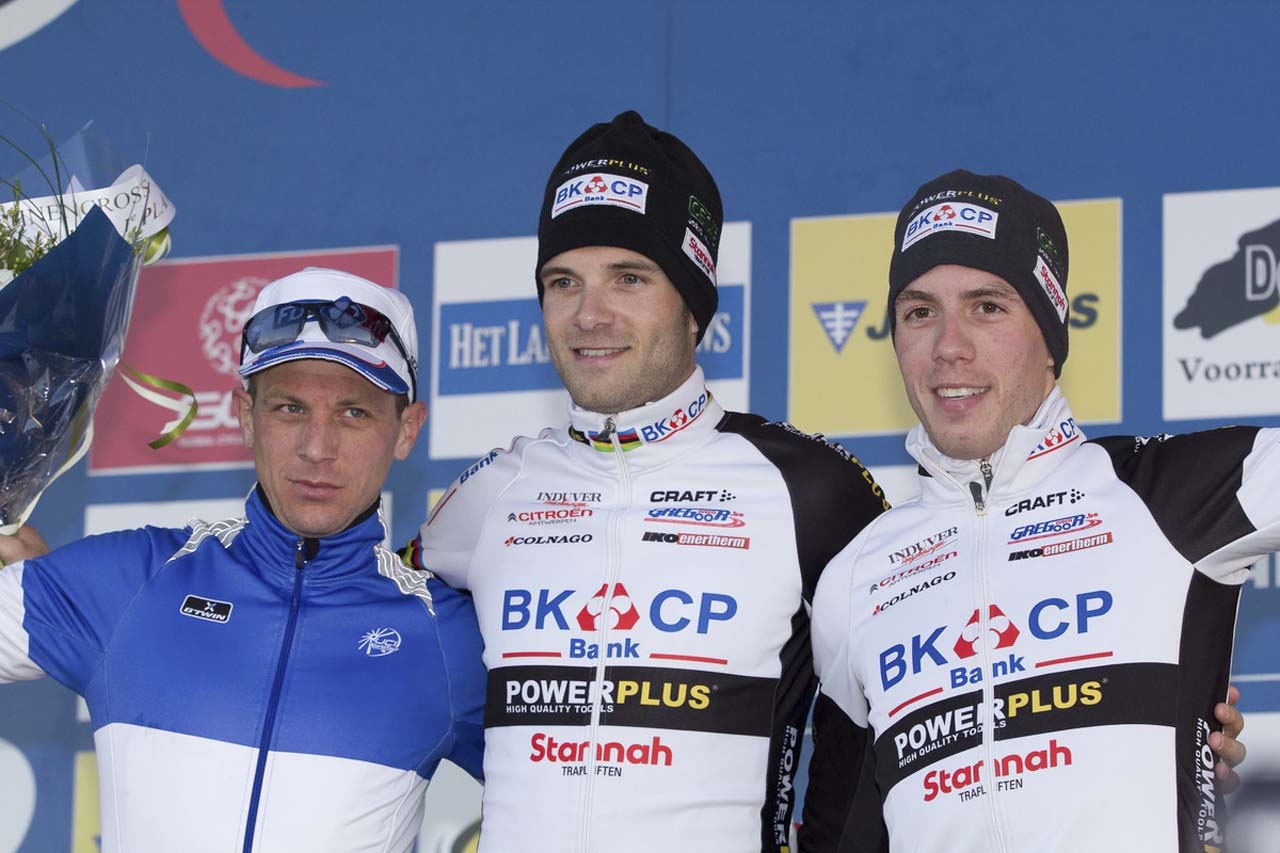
(643, 574)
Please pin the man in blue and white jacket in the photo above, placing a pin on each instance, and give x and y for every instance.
(276, 682)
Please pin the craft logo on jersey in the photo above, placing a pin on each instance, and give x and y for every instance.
(1045, 501)
(951, 216)
(1046, 620)
(211, 609)
(600, 188)
(201, 304)
(621, 615)
(838, 320)
(380, 642)
(690, 495)
(1222, 304)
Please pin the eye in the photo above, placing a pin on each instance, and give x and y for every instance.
(290, 408)
(990, 308)
(357, 413)
(915, 312)
(562, 283)
(630, 278)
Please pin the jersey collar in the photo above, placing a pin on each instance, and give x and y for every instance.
(686, 416)
(1029, 454)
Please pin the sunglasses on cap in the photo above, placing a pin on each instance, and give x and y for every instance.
(342, 321)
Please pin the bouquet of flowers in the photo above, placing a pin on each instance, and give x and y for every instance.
(70, 257)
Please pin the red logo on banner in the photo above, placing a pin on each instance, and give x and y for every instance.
(186, 325)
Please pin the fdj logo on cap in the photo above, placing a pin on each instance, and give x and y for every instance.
(600, 188)
(969, 218)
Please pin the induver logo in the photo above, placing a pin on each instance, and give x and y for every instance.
(1235, 290)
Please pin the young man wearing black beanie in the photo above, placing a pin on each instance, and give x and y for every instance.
(643, 574)
(1038, 644)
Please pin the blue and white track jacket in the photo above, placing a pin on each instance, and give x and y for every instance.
(251, 690)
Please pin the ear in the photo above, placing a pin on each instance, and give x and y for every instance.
(244, 412)
(411, 421)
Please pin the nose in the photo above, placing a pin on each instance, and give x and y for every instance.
(953, 342)
(318, 440)
(594, 309)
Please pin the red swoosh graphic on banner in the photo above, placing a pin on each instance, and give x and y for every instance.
(208, 22)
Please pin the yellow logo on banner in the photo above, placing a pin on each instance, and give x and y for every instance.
(86, 822)
(844, 377)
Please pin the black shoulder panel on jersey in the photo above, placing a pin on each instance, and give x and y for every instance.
(1189, 484)
(843, 811)
(832, 495)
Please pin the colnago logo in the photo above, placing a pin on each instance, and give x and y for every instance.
(546, 748)
(601, 188)
(701, 516)
(1207, 813)
(964, 779)
(570, 539)
(951, 216)
(922, 548)
(1056, 438)
(1045, 501)
(1047, 619)
(699, 254)
(935, 581)
(561, 515)
(658, 496)
(1055, 527)
(704, 540)
(911, 571)
(1053, 549)
(679, 419)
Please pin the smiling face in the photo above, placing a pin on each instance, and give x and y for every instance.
(619, 334)
(323, 438)
(973, 360)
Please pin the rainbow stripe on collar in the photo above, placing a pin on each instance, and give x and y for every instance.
(627, 439)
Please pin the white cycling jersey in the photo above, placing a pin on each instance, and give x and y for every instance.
(643, 583)
(1038, 641)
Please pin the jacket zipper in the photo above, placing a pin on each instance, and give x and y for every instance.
(981, 492)
(614, 540)
(269, 723)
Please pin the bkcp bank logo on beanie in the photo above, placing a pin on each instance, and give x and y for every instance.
(629, 185)
(991, 223)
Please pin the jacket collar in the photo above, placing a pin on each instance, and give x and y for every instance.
(654, 432)
(274, 548)
(1031, 452)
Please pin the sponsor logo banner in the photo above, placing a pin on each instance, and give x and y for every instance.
(187, 318)
(601, 188)
(684, 699)
(839, 329)
(1118, 694)
(491, 374)
(1222, 304)
(951, 216)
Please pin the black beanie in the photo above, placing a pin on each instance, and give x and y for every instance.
(991, 223)
(632, 186)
